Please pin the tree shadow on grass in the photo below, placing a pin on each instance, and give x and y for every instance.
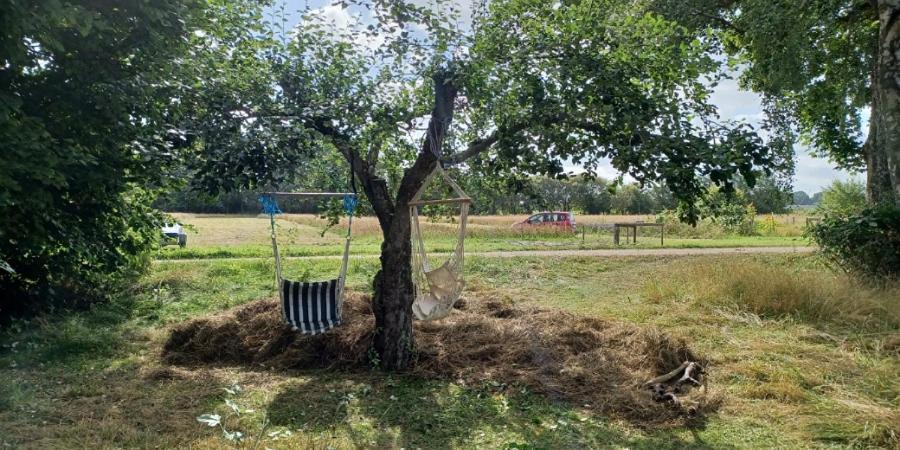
(378, 411)
(123, 408)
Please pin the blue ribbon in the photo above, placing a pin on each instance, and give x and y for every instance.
(270, 206)
(350, 202)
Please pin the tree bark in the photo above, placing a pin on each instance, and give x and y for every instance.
(394, 292)
(883, 155)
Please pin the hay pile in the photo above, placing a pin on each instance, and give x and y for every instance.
(583, 360)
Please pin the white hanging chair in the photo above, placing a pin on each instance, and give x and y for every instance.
(438, 289)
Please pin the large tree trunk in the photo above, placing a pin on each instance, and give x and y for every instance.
(883, 155)
(394, 295)
(879, 189)
(393, 284)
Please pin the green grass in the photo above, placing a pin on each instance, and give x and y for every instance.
(371, 246)
(791, 379)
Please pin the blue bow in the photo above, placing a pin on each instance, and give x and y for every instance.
(350, 202)
(270, 206)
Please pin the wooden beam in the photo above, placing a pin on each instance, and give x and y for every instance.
(441, 202)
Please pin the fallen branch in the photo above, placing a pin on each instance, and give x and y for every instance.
(664, 387)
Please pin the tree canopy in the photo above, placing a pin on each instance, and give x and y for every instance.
(104, 107)
(824, 68)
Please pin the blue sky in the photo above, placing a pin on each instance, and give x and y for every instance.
(812, 174)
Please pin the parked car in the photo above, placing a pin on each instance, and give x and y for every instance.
(556, 220)
(173, 233)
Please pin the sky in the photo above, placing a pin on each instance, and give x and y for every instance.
(811, 175)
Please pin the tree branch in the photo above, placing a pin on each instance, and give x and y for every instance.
(723, 22)
(863, 9)
(479, 145)
(375, 187)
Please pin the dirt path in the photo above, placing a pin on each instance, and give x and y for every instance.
(604, 253)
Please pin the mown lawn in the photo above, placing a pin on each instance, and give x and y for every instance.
(794, 374)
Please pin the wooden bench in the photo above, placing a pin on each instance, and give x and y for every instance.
(633, 226)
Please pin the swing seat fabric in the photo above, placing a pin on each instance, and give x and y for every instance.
(444, 288)
(313, 307)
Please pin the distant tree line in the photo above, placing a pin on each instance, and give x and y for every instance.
(585, 195)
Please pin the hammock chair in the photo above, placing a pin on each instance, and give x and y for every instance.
(310, 307)
(437, 290)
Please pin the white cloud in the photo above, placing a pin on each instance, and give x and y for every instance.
(734, 103)
(817, 173)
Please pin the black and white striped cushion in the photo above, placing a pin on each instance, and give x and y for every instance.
(311, 308)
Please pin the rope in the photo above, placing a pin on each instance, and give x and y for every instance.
(350, 203)
(270, 207)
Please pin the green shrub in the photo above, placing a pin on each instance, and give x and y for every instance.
(843, 198)
(866, 244)
(90, 132)
(731, 211)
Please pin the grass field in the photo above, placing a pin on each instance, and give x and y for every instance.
(220, 236)
(802, 358)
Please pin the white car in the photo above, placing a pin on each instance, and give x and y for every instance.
(173, 233)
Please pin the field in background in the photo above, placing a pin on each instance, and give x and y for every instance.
(217, 236)
(803, 358)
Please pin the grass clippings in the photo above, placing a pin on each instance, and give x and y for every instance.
(593, 363)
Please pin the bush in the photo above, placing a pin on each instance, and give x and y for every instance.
(89, 132)
(843, 198)
(738, 219)
(733, 212)
(866, 244)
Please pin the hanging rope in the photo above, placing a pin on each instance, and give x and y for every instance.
(270, 207)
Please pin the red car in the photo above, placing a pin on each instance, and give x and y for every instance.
(557, 220)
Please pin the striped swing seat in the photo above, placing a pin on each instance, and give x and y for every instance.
(312, 308)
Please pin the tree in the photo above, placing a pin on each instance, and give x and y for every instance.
(553, 194)
(770, 196)
(816, 198)
(843, 198)
(597, 198)
(801, 198)
(88, 132)
(818, 65)
(533, 84)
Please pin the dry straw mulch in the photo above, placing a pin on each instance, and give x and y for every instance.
(587, 361)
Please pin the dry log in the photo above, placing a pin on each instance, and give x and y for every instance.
(665, 386)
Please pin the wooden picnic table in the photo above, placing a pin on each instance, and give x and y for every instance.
(633, 226)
